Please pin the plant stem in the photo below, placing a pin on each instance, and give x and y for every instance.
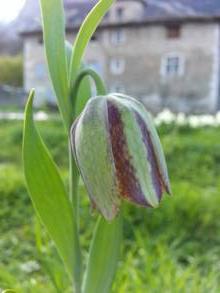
(73, 170)
(73, 184)
(100, 86)
(73, 193)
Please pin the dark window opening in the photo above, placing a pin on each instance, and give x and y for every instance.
(173, 31)
(107, 15)
(95, 37)
(172, 66)
(40, 40)
(119, 12)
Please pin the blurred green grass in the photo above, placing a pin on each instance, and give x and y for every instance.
(175, 248)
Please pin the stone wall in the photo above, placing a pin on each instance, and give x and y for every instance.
(35, 70)
(144, 52)
(134, 60)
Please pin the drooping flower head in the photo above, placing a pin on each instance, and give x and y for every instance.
(119, 154)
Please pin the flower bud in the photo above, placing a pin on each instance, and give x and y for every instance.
(119, 155)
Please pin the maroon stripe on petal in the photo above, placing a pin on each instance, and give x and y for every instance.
(151, 157)
(128, 185)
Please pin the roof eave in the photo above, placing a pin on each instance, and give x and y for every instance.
(152, 21)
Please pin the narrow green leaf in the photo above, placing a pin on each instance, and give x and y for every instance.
(103, 257)
(69, 52)
(48, 193)
(86, 31)
(54, 39)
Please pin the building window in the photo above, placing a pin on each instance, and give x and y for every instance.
(172, 65)
(107, 15)
(95, 37)
(173, 31)
(118, 37)
(117, 65)
(40, 40)
(119, 13)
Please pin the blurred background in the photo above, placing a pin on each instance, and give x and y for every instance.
(167, 54)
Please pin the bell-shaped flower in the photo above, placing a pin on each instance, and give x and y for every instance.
(119, 154)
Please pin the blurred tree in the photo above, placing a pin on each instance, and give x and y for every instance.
(11, 70)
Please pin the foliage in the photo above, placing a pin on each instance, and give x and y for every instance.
(54, 207)
(11, 70)
(173, 249)
(48, 192)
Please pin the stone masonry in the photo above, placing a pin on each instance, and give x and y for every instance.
(164, 64)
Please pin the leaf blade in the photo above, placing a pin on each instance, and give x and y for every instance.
(48, 193)
(103, 257)
(52, 12)
(85, 33)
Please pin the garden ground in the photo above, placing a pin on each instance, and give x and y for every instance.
(175, 248)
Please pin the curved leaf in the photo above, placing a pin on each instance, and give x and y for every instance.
(103, 256)
(48, 193)
(85, 33)
(54, 38)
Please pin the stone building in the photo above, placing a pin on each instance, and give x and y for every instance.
(164, 52)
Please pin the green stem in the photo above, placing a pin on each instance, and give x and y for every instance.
(73, 170)
(74, 174)
(73, 193)
(100, 86)
(73, 184)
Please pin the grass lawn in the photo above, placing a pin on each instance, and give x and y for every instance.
(175, 248)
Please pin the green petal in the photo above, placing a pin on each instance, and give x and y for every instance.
(94, 157)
